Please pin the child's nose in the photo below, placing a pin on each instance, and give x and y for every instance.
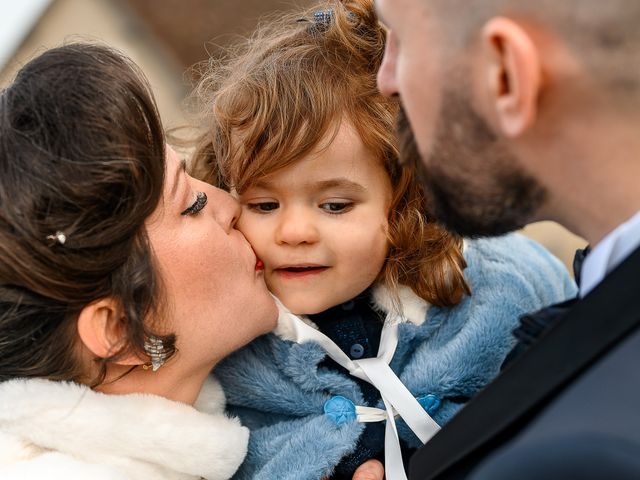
(295, 228)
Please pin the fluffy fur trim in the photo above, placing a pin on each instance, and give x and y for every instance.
(413, 309)
(138, 435)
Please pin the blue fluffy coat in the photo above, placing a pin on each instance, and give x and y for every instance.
(277, 389)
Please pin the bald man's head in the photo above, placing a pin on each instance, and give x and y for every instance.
(519, 109)
(604, 35)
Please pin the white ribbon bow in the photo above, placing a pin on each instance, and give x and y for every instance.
(376, 371)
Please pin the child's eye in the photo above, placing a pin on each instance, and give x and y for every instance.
(200, 202)
(263, 207)
(336, 207)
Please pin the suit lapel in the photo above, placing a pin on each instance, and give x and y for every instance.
(590, 329)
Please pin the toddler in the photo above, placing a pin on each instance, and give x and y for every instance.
(382, 330)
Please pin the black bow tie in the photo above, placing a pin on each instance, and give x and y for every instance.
(533, 325)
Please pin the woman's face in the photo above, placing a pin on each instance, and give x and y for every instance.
(217, 300)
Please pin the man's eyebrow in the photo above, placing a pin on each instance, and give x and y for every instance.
(182, 168)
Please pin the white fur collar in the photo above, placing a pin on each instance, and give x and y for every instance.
(140, 435)
(414, 310)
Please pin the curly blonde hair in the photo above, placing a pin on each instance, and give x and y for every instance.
(288, 87)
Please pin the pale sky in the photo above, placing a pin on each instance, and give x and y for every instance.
(17, 18)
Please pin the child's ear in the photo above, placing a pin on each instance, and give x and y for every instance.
(102, 330)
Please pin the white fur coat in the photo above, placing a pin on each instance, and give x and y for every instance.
(58, 430)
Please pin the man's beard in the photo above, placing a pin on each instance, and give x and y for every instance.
(471, 181)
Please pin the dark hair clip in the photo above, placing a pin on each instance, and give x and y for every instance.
(323, 18)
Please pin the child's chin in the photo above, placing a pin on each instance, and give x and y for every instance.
(305, 307)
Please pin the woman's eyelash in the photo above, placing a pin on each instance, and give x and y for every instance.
(201, 201)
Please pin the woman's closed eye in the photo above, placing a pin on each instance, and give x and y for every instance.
(336, 208)
(263, 207)
(197, 205)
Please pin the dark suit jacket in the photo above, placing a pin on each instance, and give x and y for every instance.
(568, 408)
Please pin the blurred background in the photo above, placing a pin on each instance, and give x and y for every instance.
(166, 38)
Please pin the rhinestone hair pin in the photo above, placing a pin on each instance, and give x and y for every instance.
(58, 237)
(323, 17)
(320, 21)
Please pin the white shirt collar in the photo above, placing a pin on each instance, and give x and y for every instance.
(609, 253)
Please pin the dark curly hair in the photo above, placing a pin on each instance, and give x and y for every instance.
(81, 152)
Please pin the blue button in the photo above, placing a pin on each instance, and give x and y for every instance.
(430, 403)
(339, 409)
(356, 350)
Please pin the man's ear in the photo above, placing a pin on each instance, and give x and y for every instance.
(102, 331)
(512, 73)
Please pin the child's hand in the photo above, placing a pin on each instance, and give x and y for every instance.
(369, 470)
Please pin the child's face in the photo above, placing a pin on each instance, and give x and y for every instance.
(320, 224)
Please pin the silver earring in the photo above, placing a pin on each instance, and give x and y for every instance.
(155, 349)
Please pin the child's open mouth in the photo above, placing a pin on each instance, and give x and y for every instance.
(300, 271)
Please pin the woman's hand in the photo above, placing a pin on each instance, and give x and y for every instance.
(369, 470)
